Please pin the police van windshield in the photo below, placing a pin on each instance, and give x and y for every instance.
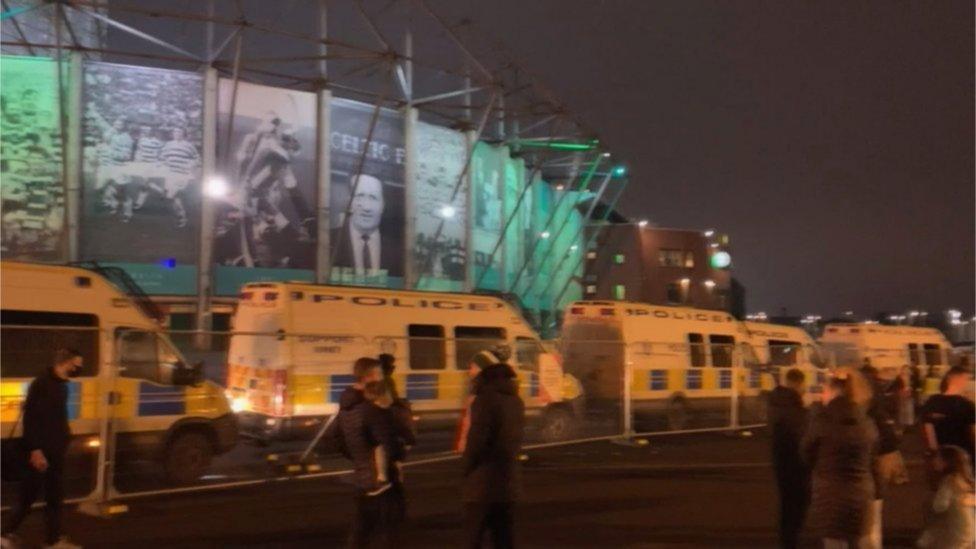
(146, 355)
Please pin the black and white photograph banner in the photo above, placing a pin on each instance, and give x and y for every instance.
(142, 133)
(265, 213)
(440, 257)
(367, 245)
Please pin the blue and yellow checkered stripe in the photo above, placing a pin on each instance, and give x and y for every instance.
(82, 399)
(315, 390)
(681, 379)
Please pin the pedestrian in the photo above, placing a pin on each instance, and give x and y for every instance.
(392, 507)
(903, 388)
(948, 418)
(400, 408)
(950, 521)
(888, 466)
(493, 440)
(366, 440)
(788, 420)
(46, 438)
(838, 447)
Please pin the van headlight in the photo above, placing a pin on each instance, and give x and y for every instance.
(238, 404)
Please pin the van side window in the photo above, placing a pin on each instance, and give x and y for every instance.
(696, 346)
(782, 352)
(144, 355)
(527, 351)
(30, 339)
(470, 340)
(933, 354)
(427, 348)
(914, 356)
(722, 347)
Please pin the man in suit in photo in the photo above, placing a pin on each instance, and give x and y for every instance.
(360, 242)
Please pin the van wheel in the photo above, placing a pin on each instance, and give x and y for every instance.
(677, 414)
(558, 423)
(187, 457)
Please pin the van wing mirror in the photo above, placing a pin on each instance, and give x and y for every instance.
(192, 375)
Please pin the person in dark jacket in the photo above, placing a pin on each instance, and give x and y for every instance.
(888, 467)
(368, 442)
(839, 447)
(490, 461)
(46, 437)
(788, 420)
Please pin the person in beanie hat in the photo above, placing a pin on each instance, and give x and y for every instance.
(492, 443)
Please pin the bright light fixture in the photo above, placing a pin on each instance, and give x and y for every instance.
(545, 234)
(709, 233)
(642, 223)
(447, 211)
(709, 284)
(216, 187)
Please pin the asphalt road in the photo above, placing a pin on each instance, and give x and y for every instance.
(705, 490)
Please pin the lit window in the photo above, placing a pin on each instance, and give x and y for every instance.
(591, 289)
(590, 255)
(619, 259)
(675, 258)
(619, 291)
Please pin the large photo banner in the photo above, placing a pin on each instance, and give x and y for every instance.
(440, 242)
(142, 134)
(367, 202)
(266, 155)
(30, 160)
(487, 166)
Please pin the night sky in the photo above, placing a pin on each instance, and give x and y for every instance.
(833, 141)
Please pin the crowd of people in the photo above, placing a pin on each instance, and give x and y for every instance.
(374, 430)
(835, 464)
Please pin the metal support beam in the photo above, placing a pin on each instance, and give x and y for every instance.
(448, 95)
(592, 239)
(138, 33)
(323, 259)
(204, 320)
(579, 232)
(323, 264)
(508, 223)
(74, 146)
(585, 182)
(555, 238)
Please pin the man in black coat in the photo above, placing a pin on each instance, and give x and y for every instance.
(788, 420)
(491, 452)
(46, 438)
(366, 439)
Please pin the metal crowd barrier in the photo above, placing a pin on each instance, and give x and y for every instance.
(141, 396)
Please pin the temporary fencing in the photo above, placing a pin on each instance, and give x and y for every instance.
(156, 412)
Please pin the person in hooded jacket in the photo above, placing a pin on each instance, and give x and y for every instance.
(493, 440)
(367, 440)
(839, 447)
(787, 421)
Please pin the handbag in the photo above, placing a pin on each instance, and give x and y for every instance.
(13, 455)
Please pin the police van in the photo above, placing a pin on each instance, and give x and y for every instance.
(681, 361)
(160, 407)
(776, 349)
(889, 349)
(292, 347)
